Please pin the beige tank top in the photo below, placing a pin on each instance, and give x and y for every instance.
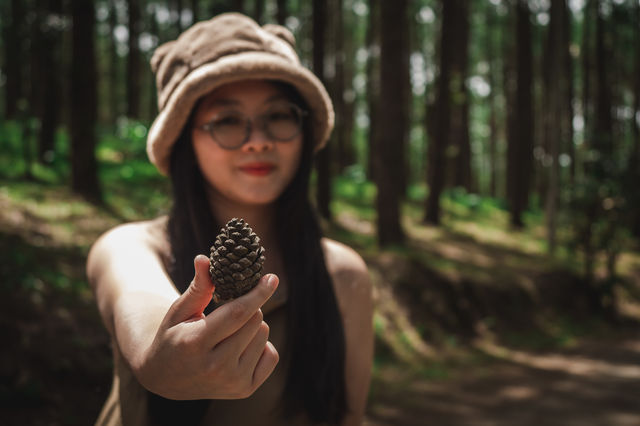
(127, 401)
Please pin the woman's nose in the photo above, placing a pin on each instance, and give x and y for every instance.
(258, 140)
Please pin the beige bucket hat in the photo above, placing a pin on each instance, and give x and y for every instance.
(227, 48)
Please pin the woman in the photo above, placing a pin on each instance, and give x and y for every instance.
(239, 122)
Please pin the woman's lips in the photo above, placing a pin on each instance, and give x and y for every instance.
(257, 169)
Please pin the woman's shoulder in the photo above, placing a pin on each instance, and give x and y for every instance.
(145, 235)
(346, 267)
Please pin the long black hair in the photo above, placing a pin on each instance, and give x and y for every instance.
(315, 340)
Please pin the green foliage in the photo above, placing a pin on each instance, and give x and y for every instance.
(133, 186)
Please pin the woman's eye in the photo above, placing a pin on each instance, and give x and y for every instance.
(280, 116)
(228, 121)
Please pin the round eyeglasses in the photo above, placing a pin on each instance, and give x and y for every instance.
(282, 122)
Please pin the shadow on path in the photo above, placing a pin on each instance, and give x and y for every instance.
(595, 383)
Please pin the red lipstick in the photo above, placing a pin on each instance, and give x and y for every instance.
(257, 168)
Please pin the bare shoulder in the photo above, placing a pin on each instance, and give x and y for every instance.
(347, 269)
(149, 234)
(130, 239)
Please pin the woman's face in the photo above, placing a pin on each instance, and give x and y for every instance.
(259, 170)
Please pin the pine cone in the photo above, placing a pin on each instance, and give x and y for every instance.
(236, 261)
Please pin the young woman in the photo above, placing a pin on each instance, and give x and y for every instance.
(239, 122)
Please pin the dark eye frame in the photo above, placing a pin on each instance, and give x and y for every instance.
(261, 123)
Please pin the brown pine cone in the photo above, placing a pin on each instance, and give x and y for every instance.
(236, 260)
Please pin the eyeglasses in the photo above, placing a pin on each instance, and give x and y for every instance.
(282, 122)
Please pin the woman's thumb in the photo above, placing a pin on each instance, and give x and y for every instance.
(196, 297)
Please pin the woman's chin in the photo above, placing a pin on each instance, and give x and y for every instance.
(257, 200)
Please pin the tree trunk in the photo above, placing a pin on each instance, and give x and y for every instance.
(603, 124)
(51, 88)
(195, 11)
(634, 158)
(114, 65)
(34, 106)
(258, 11)
(442, 115)
(323, 158)
(393, 120)
(178, 8)
(133, 62)
(586, 50)
(336, 31)
(153, 96)
(14, 59)
(341, 87)
(84, 178)
(555, 89)
(493, 119)
(373, 84)
(460, 147)
(281, 12)
(349, 95)
(237, 6)
(567, 29)
(520, 143)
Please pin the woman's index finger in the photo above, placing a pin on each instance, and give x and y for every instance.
(230, 317)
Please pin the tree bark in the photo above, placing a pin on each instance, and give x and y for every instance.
(390, 153)
(281, 12)
(341, 51)
(567, 29)
(152, 106)
(323, 158)
(520, 143)
(36, 47)
(373, 84)
(195, 11)
(84, 178)
(586, 50)
(634, 158)
(258, 11)
(460, 147)
(556, 86)
(14, 59)
(51, 88)
(442, 113)
(603, 124)
(114, 65)
(493, 115)
(237, 6)
(133, 61)
(178, 8)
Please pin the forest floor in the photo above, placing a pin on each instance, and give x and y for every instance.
(473, 326)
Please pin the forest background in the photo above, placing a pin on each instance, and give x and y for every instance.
(484, 163)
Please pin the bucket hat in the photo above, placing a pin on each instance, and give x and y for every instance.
(225, 49)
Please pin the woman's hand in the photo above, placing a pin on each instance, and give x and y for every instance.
(223, 355)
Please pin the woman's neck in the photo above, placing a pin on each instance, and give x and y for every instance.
(261, 218)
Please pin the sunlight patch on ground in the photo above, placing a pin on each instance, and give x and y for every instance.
(518, 392)
(393, 326)
(353, 223)
(580, 366)
(58, 218)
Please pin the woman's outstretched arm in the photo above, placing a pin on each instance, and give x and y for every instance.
(173, 349)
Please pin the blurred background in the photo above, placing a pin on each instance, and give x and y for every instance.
(484, 163)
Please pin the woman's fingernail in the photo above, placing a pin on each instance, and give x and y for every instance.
(271, 281)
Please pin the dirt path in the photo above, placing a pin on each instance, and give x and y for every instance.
(595, 383)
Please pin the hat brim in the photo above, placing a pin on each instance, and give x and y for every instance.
(169, 123)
